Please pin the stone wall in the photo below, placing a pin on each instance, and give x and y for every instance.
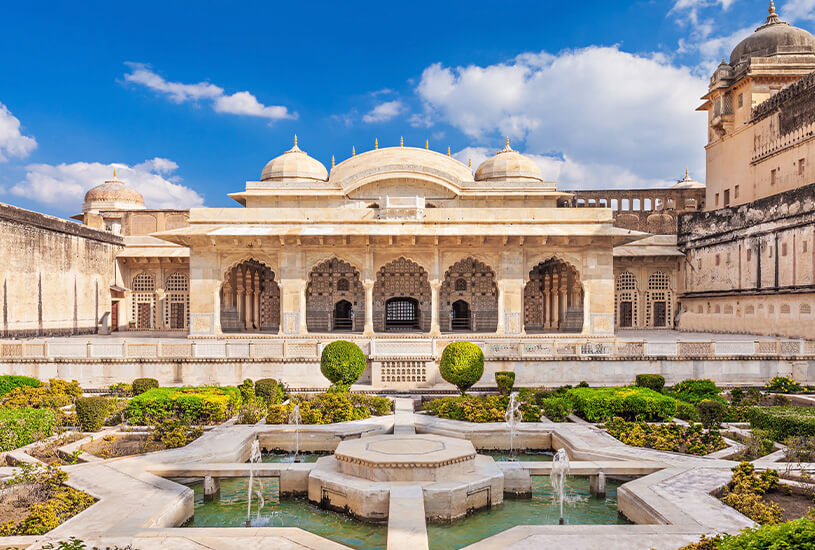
(751, 268)
(55, 274)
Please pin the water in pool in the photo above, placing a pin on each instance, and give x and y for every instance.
(230, 511)
(274, 456)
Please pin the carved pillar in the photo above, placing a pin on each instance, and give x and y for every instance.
(303, 328)
(555, 302)
(501, 326)
(161, 303)
(563, 294)
(368, 285)
(239, 297)
(546, 321)
(247, 307)
(435, 285)
(228, 297)
(256, 305)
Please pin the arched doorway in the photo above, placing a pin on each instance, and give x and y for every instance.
(659, 301)
(250, 299)
(143, 302)
(401, 297)
(472, 282)
(343, 316)
(177, 302)
(460, 316)
(626, 300)
(329, 283)
(553, 298)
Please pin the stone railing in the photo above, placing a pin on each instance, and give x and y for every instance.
(794, 137)
(385, 349)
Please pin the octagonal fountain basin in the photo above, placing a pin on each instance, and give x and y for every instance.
(455, 480)
(229, 510)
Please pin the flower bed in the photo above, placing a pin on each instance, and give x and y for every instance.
(330, 407)
(10, 381)
(796, 534)
(19, 427)
(208, 405)
(629, 403)
(693, 439)
(480, 409)
(55, 394)
(784, 422)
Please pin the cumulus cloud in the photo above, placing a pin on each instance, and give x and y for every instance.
(797, 10)
(64, 185)
(239, 103)
(12, 142)
(607, 115)
(384, 111)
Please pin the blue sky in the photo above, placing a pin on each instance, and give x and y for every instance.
(190, 100)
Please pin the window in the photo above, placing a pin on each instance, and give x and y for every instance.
(749, 254)
(804, 309)
(783, 249)
(785, 309)
(736, 192)
(772, 176)
(728, 257)
(726, 198)
(461, 285)
(343, 285)
(717, 199)
(718, 259)
(804, 245)
(801, 166)
(770, 249)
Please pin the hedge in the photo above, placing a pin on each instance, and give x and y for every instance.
(505, 380)
(329, 408)
(269, 390)
(694, 390)
(471, 408)
(57, 393)
(630, 403)
(556, 409)
(141, 385)
(10, 381)
(784, 422)
(342, 362)
(19, 427)
(208, 405)
(666, 437)
(91, 412)
(651, 381)
(462, 364)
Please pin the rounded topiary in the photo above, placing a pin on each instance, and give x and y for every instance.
(652, 381)
(91, 412)
(141, 385)
(462, 364)
(711, 412)
(505, 380)
(267, 389)
(342, 362)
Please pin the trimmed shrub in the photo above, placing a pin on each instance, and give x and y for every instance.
(736, 395)
(342, 362)
(711, 412)
(208, 405)
(91, 412)
(329, 408)
(784, 422)
(745, 491)
(556, 409)
(141, 385)
(247, 390)
(462, 364)
(57, 393)
(19, 427)
(269, 390)
(471, 408)
(695, 390)
(666, 437)
(10, 381)
(651, 381)
(505, 380)
(686, 411)
(252, 411)
(629, 403)
(783, 384)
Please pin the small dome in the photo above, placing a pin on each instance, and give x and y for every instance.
(112, 195)
(295, 165)
(508, 164)
(774, 37)
(687, 183)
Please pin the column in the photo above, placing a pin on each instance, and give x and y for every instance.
(435, 285)
(368, 285)
(546, 322)
(256, 308)
(303, 328)
(248, 300)
(501, 326)
(563, 293)
(161, 303)
(555, 302)
(239, 295)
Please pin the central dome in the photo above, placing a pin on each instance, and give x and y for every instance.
(112, 195)
(294, 165)
(508, 164)
(774, 37)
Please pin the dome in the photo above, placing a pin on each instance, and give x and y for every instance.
(774, 37)
(294, 165)
(688, 183)
(508, 164)
(112, 195)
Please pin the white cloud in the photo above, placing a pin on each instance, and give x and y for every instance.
(239, 103)
(384, 112)
(797, 10)
(12, 142)
(64, 185)
(600, 108)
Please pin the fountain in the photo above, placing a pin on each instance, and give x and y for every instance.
(295, 419)
(254, 458)
(512, 417)
(560, 470)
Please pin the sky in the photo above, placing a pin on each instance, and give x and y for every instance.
(189, 100)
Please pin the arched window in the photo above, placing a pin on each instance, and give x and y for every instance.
(177, 304)
(461, 285)
(626, 300)
(342, 285)
(143, 302)
(659, 306)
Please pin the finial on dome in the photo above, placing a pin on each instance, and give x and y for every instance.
(448, 150)
(687, 175)
(427, 144)
(771, 9)
(376, 143)
(772, 17)
(507, 148)
(295, 140)
(114, 173)
(469, 162)
(507, 142)
(295, 148)
(401, 141)
(332, 161)
(353, 151)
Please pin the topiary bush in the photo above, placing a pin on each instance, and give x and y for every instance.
(505, 380)
(556, 409)
(91, 412)
(711, 412)
(462, 364)
(695, 390)
(10, 381)
(247, 390)
(269, 390)
(19, 427)
(629, 403)
(141, 385)
(342, 362)
(686, 411)
(651, 381)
